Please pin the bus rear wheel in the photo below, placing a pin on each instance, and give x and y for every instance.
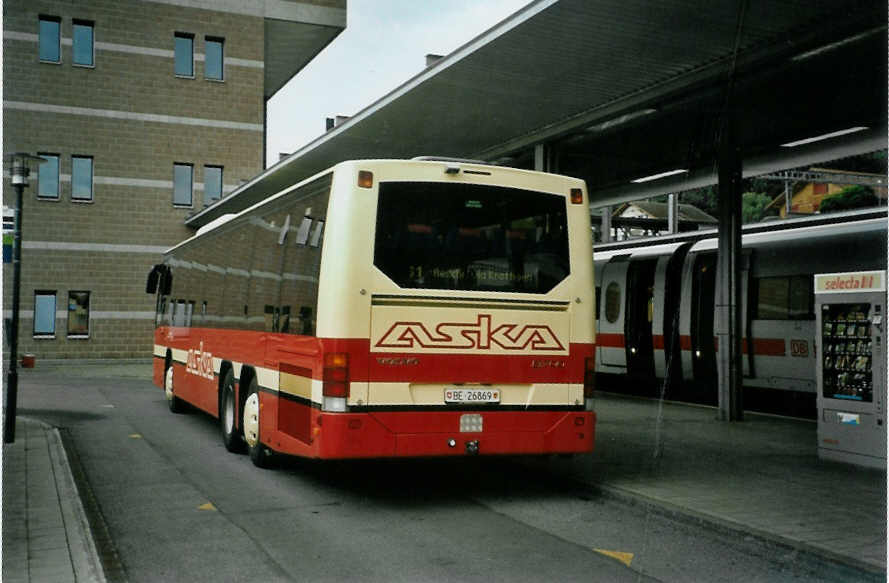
(231, 436)
(260, 455)
(175, 404)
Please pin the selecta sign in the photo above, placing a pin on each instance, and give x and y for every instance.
(850, 282)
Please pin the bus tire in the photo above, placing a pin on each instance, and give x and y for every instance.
(175, 404)
(231, 435)
(260, 455)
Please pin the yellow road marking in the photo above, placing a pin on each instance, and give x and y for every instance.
(207, 506)
(135, 436)
(625, 558)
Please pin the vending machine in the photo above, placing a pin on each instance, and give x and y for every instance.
(850, 344)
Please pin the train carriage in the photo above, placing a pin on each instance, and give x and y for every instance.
(656, 307)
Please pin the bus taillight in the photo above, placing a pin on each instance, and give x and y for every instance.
(589, 377)
(336, 375)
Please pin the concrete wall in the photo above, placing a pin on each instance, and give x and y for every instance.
(135, 118)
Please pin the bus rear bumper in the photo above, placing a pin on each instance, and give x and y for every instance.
(430, 434)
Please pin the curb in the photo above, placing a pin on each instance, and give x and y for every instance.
(82, 548)
(729, 527)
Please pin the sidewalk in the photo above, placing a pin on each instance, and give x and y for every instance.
(46, 536)
(760, 477)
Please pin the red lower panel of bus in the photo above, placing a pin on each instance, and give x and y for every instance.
(423, 433)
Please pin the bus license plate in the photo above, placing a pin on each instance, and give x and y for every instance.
(469, 396)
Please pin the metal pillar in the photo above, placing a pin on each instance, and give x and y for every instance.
(788, 202)
(728, 276)
(606, 225)
(12, 377)
(540, 151)
(19, 171)
(673, 213)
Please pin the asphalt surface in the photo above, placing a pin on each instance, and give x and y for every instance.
(170, 504)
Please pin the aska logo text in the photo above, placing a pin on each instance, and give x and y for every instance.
(200, 363)
(480, 335)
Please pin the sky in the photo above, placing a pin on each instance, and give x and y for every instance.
(385, 43)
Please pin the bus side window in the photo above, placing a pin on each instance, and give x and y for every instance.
(284, 320)
(307, 324)
(270, 318)
(316, 234)
(161, 310)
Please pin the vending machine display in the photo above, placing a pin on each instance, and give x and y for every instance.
(851, 367)
(847, 354)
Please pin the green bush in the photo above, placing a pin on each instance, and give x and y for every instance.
(853, 197)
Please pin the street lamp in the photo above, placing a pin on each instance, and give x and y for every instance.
(19, 169)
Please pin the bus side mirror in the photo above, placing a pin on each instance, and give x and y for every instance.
(159, 276)
(151, 284)
(166, 280)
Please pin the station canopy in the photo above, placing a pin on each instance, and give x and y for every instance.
(616, 90)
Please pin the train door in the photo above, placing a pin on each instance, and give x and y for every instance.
(610, 335)
(703, 290)
(639, 318)
(668, 360)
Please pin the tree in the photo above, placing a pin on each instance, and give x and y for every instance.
(753, 206)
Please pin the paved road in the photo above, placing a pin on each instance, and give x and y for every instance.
(177, 507)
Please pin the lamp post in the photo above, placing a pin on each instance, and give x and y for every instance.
(18, 172)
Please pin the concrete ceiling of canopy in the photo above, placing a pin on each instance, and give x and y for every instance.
(622, 89)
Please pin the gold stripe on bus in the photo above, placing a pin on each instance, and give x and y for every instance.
(296, 385)
(470, 305)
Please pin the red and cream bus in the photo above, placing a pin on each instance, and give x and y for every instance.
(388, 308)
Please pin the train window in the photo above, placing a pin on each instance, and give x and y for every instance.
(784, 298)
(801, 298)
(612, 302)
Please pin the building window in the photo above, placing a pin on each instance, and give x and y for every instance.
(81, 178)
(83, 43)
(48, 176)
(50, 39)
(183, 55)
(44, 313)
(212, 184)
(213, 61)
(78, 313)
(182, 184)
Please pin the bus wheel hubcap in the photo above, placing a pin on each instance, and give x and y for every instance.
(168, 384)
(229, 412)
(251, 420)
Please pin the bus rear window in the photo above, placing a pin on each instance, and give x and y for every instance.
(471, 237)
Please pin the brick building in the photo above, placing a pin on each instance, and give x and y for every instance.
(145, 111)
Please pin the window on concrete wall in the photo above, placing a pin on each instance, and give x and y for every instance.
(50, 33)
(84, 49)
(212, 184)
(213, 58)
(44, 313)
(81, 178)
(183, 49)
(78, 314)
(48, 176)
(183, 184)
